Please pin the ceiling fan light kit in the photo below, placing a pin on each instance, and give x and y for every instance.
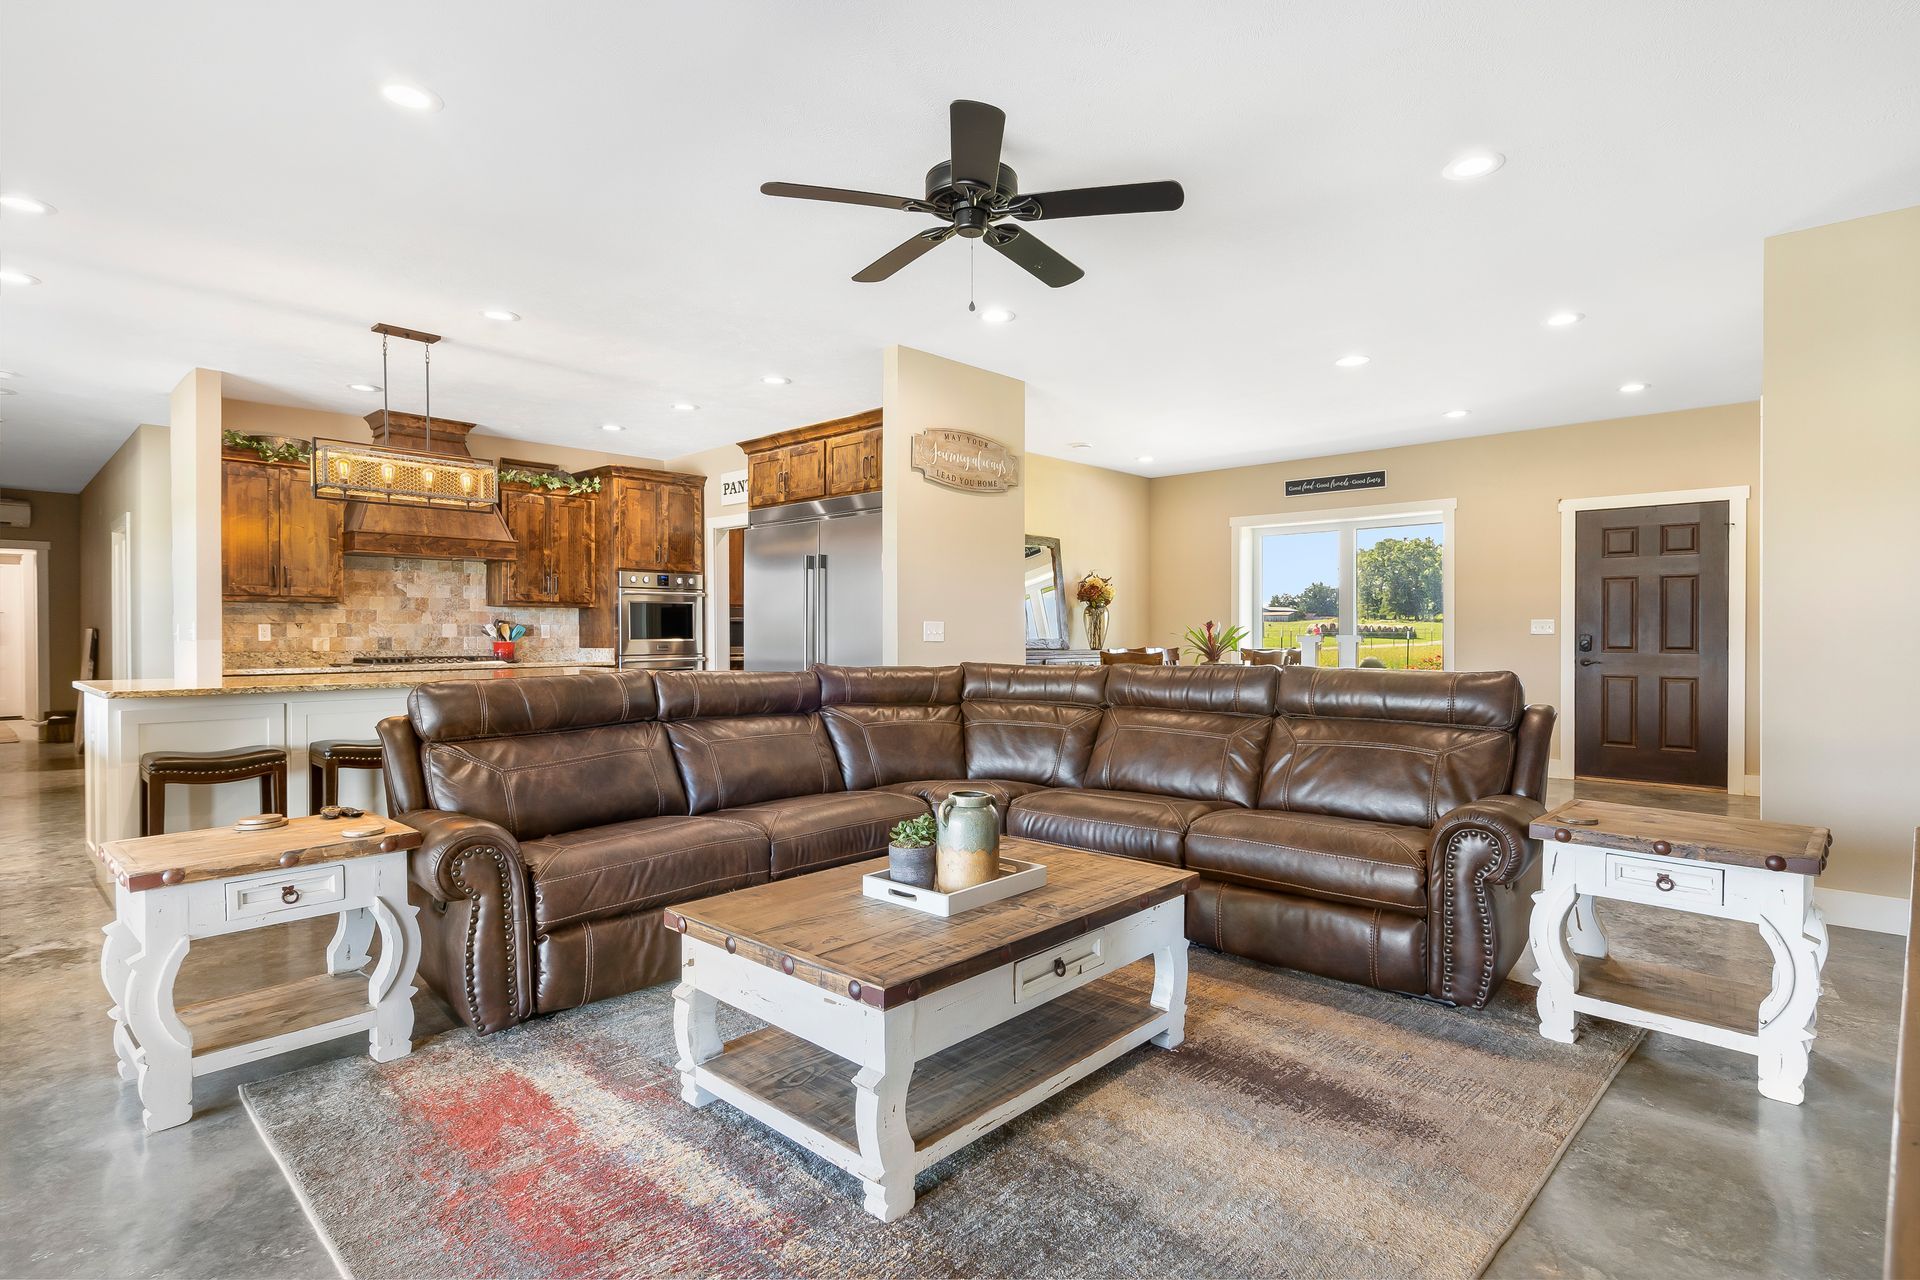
(975, 196)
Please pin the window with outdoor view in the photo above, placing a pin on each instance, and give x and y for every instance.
(1365, 592)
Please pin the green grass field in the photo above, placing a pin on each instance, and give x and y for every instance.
(1422, 651)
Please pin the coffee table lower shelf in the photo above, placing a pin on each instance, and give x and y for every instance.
(958, 1093)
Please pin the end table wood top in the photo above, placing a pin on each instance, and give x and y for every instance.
(822, 930)
(217, 853)
(1699, 837)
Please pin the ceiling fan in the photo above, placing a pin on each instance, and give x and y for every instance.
(973, 194)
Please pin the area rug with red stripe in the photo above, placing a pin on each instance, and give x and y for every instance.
(1306, 1127)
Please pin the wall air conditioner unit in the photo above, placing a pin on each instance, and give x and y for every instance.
(15, 514)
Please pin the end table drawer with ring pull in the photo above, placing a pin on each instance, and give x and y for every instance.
(1037, 975)
(263, 895)
(1663, 880)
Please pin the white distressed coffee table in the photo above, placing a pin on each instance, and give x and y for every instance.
(1730, 868)
(896, 1038)
(171, 889)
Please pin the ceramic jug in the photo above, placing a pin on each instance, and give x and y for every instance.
(968, 849)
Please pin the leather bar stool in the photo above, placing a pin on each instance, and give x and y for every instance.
(326, 758)
(160, 769)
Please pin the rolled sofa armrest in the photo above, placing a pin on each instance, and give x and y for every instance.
(477, 936)
(1477, 923)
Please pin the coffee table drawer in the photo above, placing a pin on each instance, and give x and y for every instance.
(1662, 880)
(1036, 976)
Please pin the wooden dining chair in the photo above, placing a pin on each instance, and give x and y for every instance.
(1140, 657)
(1271, 657)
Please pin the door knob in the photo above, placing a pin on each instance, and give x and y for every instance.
(1589, 662)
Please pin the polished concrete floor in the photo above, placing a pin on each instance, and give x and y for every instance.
(1684, 1170)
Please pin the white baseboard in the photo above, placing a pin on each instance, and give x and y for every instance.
(1877, 912)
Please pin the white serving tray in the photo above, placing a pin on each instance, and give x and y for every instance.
(1016, 877)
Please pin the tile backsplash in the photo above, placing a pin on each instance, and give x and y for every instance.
(395, 605)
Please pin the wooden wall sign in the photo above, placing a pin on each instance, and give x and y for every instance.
(1337, 484)
(962, 460)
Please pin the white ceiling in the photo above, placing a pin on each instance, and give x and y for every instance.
(234, 194)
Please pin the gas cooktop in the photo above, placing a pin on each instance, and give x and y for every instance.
(413, 659)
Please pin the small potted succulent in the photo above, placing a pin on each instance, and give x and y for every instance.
(910, 854)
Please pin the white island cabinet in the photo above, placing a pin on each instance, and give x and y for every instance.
(124, 719)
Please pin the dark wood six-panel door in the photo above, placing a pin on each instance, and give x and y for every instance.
(1650, 643)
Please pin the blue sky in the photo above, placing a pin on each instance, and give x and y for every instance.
(1289, 561)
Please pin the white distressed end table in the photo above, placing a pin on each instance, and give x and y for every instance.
(171, 889)
(984, 1014)
(1729, 868)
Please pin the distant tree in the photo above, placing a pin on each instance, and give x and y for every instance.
(1318, 600)
(1400, 578)
(1275, 603)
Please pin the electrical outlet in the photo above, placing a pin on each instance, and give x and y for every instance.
(1543, 626)
(266, 631)
(936, 631)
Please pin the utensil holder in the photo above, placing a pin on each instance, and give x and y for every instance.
(503, 650)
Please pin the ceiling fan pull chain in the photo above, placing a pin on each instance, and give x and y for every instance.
(971, 246)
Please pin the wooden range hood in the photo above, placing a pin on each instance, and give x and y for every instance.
(415, 531)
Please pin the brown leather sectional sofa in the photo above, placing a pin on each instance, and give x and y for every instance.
(1366, 825)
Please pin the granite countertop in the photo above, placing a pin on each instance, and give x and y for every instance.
(486, 664)
(325, 681)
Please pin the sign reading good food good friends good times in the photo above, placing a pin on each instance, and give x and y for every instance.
(965, 461)
(1337, 484)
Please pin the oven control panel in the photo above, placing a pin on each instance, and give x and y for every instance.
(652, 580)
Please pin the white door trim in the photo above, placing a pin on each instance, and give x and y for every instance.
(1735, 496)
(40, 687)
(122, 643)
(719, 585)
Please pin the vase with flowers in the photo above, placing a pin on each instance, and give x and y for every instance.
(1211, 643)
(1096, 593)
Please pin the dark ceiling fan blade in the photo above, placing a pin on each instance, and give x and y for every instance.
(1086, 202)
(839, 195)
(1027, 250)
(977, 131)
(899, 256)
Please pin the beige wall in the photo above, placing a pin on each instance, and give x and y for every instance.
(1840, 450)
(714, 463)
(1100, 517)
(949, 556)
(56, 522)
(1507, 524)
(135, 483)
(254, 418)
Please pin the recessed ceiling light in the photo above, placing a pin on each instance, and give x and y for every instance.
(611, 426)
(9, 276)
(495, 313)
(1454, 413)
(25, 204)
(1474, 164)
(1561, 319)
(682, 406)
(361, 386)
(1353, 361)
(996, 315)
(775, 380)
(1145, 457)
(411, 96)
(1634, 388)
(1079, 444)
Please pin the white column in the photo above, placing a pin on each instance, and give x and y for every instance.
(194, 450)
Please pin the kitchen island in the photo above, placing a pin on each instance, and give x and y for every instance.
(123, 719)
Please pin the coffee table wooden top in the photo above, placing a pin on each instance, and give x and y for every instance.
(1701, 837)
(217, 853)
(822, 930)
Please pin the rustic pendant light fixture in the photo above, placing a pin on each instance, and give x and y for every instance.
(381, 473)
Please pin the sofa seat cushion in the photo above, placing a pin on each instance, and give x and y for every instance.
(807, 833)
(629, 867)
(1003, 790)
(1369, 864)
(1124, 822)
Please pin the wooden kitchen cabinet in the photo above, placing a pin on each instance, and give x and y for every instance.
(647, 520)
(680, 527)
(555, 560)
(277, 541)
(826, 460)
(853, 462)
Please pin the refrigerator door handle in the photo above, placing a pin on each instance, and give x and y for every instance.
(807, 620)
(821, 651)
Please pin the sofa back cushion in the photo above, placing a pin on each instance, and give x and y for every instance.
(1404, 747)
(545, 754)
(741, 737)
(1031, 724)
(1195, 732)
(893, 724)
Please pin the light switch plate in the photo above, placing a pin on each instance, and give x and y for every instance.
(266, 631)
(933, 631)
(1543, 626)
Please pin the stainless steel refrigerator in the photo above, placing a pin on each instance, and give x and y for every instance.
(812, 589)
